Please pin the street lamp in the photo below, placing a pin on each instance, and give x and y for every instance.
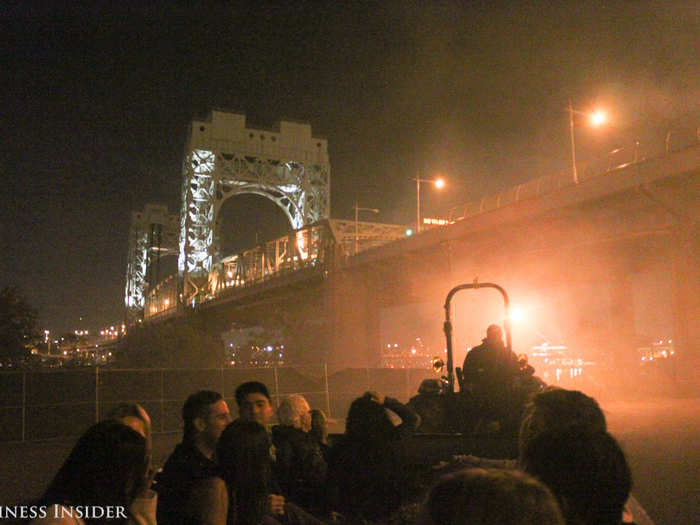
(596, 118)
(439, 184)
(358, 209)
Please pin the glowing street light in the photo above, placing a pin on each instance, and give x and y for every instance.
(439, 184)
(596, 118)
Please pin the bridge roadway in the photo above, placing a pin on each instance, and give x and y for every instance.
(592, 234)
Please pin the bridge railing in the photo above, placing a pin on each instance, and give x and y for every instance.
(656, 145)
(36, 405)
(162, 299)
(309, 247)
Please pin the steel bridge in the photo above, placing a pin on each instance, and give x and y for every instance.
(310, 251)
(343, 273)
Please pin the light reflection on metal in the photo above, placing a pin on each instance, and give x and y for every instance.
(197, 214)
(152, 235)
(225, 158)
(309, 247)
(162, 298)
(301, 245)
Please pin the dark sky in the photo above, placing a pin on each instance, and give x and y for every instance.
(96, 101)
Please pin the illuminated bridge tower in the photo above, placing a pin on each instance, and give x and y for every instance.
(152, 235)
(224, 158)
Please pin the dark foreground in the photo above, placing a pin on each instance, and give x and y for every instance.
(660, 437)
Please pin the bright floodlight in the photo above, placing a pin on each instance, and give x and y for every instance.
(439, 183)
(598, 118)
(516, 315)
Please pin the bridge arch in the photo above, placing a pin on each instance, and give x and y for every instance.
(225, 158)
(246, 218)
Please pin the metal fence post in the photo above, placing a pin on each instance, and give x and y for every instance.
(162, 401)
(408, 384)
(328, 396)
(277, 384)
(97, 394)
(24, 406)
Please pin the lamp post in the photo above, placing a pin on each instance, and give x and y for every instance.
(597, 118)
(439, 183)
(358, 209)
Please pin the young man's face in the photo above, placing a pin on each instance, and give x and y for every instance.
(256, 407)
(216, 421)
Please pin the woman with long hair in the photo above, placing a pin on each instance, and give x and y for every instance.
(99, 480)
(242, 494)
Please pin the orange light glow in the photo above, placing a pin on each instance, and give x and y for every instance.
(301, 245)
(598, 118)
(516, 315)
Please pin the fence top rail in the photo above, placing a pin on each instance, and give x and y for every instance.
(182, 369)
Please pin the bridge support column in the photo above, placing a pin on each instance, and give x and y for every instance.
(685, 254)
(354, 332)
(622, 337)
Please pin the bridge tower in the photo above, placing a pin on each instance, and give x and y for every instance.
(224, 158)
(152, 235)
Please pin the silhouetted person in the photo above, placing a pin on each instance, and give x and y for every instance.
(300, 468)
(205, 415)
(490, 362)
(489, 371)
(368, 473)
(497, 497)
(319, 431)
(106, 468)
(429, 404)
(242, 493)
(586, 471)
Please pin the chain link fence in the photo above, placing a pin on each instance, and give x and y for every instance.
(48, 404)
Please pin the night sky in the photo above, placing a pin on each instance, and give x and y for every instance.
(96, 102)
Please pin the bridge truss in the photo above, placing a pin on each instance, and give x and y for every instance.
(152, 235)
(313, 249)
(224, 159)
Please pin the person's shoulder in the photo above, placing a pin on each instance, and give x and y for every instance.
(477, 349)
(210, 489)
(214, 484)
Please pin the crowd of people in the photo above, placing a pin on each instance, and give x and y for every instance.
(247, 471)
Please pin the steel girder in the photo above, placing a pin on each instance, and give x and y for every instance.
(301, 190)
(136, 273)
(152, 234)
(369, 234)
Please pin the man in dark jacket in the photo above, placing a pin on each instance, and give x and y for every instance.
(490, 362)
(205, 415)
